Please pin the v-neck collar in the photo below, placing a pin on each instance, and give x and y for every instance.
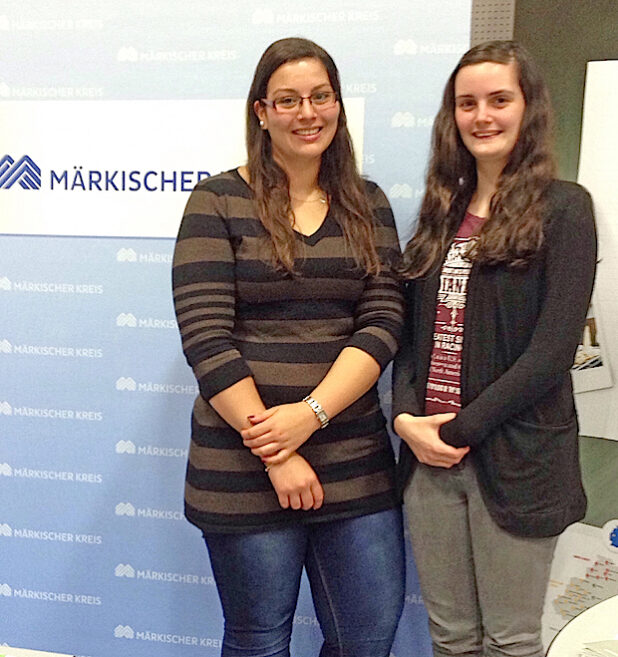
(316, 236)
(309, 240)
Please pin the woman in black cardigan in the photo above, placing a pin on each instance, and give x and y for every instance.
(498, 280)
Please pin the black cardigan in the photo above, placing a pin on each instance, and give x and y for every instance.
(522, 327)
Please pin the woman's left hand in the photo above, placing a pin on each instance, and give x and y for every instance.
(279, 431)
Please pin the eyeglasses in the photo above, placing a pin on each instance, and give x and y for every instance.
(319, 100)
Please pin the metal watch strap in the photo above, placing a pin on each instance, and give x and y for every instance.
(320, 413)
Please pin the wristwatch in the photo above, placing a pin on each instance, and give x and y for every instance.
(320, 413)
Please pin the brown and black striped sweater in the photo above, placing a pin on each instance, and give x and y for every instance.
(239, 317)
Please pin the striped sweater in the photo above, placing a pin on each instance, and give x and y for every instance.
(239, 317)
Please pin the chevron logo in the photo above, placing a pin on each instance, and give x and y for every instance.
(126, 383)
(6, 347)
(400, 191)
(266, 16)
(125, 447)
(124, 570)
(126, 319)
(5, 530)
(5, 408)
(405, 47)
(6, 590)
(5, 284)
(403, 120)
(127, 54)
(6, 470)
(25, 172)
(126, 255)
(125, 509)
(124, 632)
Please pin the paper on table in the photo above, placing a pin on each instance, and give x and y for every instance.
(600, 649)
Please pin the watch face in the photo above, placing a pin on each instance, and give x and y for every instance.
(320, 413)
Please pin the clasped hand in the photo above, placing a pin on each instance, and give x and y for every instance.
(279, 431)
(422, 435)
(296, 484)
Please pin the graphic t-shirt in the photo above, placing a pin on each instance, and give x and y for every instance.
(443, 393)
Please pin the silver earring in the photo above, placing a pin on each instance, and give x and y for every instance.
(262, 124)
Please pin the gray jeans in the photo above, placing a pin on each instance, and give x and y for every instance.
(484, 588)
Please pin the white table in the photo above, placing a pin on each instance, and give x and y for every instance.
(598, 623)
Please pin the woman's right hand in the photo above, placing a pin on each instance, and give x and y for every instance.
(422, 436)
(296, 484)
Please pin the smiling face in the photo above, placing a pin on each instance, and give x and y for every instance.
(306, 132)
(489, 109)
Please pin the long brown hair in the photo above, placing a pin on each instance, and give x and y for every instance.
(338, 176)
(513, 232)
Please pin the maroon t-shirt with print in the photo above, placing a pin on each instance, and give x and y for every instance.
(443, 393)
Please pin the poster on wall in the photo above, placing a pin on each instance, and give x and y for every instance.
(585, 566)
(591, 369)
(597, 357)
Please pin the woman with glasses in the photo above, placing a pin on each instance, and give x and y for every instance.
(500, 273)
(289, 310)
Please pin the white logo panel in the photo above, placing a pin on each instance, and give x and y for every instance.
(94, 187)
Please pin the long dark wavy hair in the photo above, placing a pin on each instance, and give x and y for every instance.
(513, 232)
(338, 176)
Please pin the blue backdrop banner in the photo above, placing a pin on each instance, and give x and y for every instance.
(109, 114)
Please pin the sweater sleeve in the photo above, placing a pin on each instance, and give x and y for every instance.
(404, 394)
(379, 312)
(203, 281)
(569, 275)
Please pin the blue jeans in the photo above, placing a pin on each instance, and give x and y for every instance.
(356, 570)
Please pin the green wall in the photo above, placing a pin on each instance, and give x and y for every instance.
(562, 36)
